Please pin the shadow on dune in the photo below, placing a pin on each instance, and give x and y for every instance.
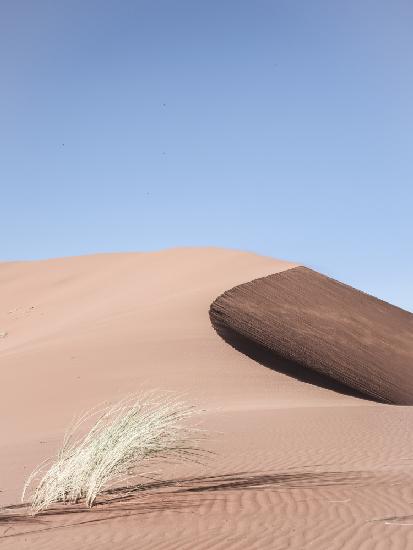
(271, 360)
(161, 496)
(243, 481)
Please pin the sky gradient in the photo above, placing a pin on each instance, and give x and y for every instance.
(282, 127)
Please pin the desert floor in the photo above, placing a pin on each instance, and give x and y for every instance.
(295, 465)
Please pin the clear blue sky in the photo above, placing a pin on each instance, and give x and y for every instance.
(279, 126)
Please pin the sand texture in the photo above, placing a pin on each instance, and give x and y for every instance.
(326, 326)
(299, 462)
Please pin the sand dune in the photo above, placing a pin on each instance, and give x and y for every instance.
(298, 464)
(326, 326)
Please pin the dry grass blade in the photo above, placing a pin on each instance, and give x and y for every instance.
(122, 437)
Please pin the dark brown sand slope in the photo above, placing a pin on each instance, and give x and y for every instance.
(323, 325)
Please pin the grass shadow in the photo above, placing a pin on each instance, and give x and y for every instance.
(174, 494)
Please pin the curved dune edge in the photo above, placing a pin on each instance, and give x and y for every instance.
(334, 331)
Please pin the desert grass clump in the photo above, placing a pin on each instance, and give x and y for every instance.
(123, 437)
